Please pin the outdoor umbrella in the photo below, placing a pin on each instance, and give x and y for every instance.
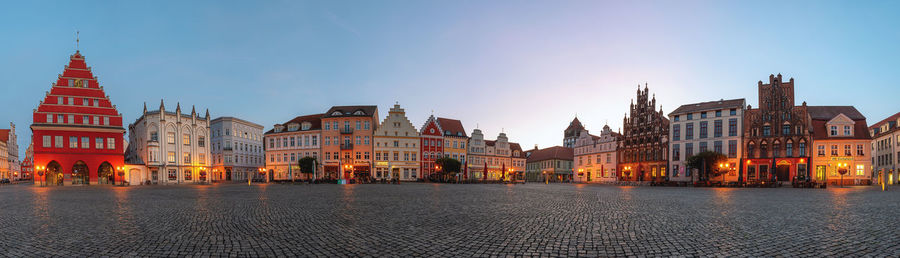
(485, 171)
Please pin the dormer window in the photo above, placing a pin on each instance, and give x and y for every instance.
(306, 125)
(293, 127)
(847, 131)
(278, 129)
(337, 113)
(833, 130)
(359, 113)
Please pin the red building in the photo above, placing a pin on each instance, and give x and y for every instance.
(77, 134)
(431, 145)
(644, 142)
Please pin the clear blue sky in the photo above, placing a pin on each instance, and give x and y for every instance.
(523, 66)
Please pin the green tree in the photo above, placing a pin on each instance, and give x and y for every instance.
(307, 165)
(707, 162)
(449, 167)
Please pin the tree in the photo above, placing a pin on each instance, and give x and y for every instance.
(307, 165)
(449, 167)
(706, 162)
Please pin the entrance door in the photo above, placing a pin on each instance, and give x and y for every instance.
(227, 174)
(53, 175)
(820, 173)
(783, 172)
(80, 173)
(589, 176)
(105, 174)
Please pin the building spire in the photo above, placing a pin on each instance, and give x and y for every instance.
(77, 39)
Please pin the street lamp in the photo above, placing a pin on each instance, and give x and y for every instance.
(203, 174)
(120, 171)
(40, 171)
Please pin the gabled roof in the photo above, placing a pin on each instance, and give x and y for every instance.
(820, 116)
(315, 121)
(709, 105)
(882, 122)
(454, 126)
(347, 111)
(575, 124)
(828, 112)
(555, 152)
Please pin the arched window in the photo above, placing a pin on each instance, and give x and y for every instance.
(750, 148)
(762, 150)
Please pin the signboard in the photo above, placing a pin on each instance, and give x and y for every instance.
(381, 163)
(841, 158)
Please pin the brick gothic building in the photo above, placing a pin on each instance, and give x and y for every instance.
(77, 132)
(776, 135)
(644, 144)
(571, 134)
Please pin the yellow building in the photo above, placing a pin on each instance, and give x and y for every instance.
(842, 146)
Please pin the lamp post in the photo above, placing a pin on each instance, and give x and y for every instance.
(627, 172)
(203, 178)
(120, 171)
(40, 172)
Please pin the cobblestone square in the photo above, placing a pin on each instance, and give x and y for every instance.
(446, 220)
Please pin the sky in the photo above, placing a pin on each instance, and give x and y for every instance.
(526, 68)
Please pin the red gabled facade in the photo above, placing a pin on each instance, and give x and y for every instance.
(77, 133)
(431, 145)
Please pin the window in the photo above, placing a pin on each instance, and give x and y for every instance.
(49, 118)
(703, 127)
(820, 150)
(833, 130)
(85, 120)
(676, 152)
(676, 132)
(106, 120)
(690, 117)
(847, 131)
(172, 175)
(367, 125)
(357, 125)
(59, 119)
(85, 142)
(834, 150)
(71, 119)
(201, 141)
(170, 157)
(732, 112)
(201, 158)
(717, 147)
(717, 128)
(186, 139)
(188, 175)
(732, 148)
(689, 131)
(46, 141)
(786, 130)
(73, 142)
(702, 114)
(860, 170)
(847, 150)
(98, 143)
(802, 149)
(677, 118)
(703, 146)
(111, 143)
(170, 138)
(186, 157)
(58, 141)
(96, 120)
(789, 149)
(859, 150)
(732, 127)
(688, 150)
(767, 130)
(718, 113)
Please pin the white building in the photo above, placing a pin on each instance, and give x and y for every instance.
(396, 147)
(173, 147)
(9, 154)
(886, 150)
(237, 149)
(707, 126)
(291, 141)
(595, 157)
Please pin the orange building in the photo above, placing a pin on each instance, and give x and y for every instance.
(347, 136)
(843, 146)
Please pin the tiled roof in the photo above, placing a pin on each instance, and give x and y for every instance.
(454, 126)
(882, 122)
(349, 110)
(4, 135)
(575, 124)
(820, 116)
(829, 112)
(315, 120)
(555, 152)
(709, 105)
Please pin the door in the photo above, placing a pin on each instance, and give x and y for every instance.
(820, 173)
(589, 176)
(783, 172)
(227, 174)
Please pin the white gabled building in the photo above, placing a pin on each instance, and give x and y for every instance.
(396, 147)
(595, 157)
(169, 148)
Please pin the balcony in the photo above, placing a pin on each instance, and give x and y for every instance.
(347, 131)
(347, 146)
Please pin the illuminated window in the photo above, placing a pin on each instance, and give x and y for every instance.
(860, 170)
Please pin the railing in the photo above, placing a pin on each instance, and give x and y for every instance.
(346, 130)
(347, 146)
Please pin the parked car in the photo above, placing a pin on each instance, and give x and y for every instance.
(4, 181)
